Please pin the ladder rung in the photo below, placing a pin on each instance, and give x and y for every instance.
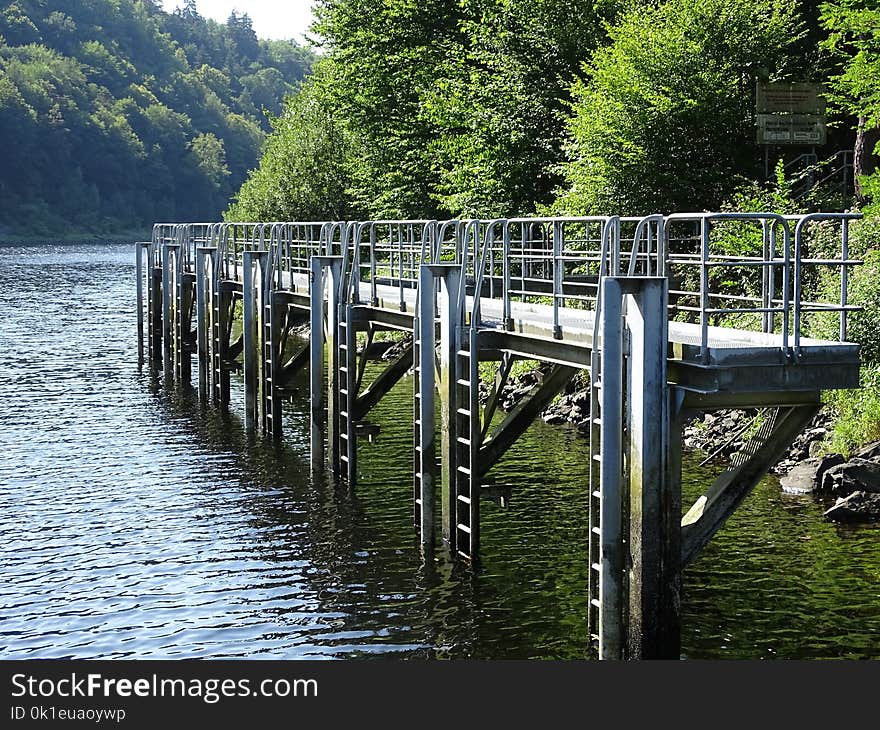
(462, 498)
(596, 567)
(597, 457)
(597, 494)
(464, 554)
(464, 528)
(595, 602)
(596, 531)
(461, 381)
(344, 414)
(463, 412)
(464, 470)
(463, 440)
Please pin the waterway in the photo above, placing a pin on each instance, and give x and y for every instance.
(136, 523)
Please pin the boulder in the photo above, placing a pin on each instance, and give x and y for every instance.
(857, 507)
(825, 463)
(869, 451)
(801, 479)
(864, 473)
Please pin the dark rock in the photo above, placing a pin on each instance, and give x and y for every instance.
(864, 473)
(824, 465)
(869, 451)
(801, 479)
(857, 507)
(553, 419)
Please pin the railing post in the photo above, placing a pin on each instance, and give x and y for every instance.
(704, 289)
(557, 278)
(844, 275)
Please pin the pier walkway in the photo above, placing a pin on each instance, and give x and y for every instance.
(662, 314)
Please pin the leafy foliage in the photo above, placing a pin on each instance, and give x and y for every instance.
(663, 119)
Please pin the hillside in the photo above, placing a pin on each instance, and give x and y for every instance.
(114, 113)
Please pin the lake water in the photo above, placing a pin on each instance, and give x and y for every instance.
(136, 523)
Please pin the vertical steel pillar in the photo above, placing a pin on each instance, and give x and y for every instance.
(254, 297)
(183, 324)
(204, 316)
(450, 304)
(154, 310)
(640, 499)
(139, 266)
(168, 300)
(648, 443)
(446, 304)
(321, 330)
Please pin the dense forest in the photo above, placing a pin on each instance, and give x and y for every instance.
(114, 113)
(512, 107)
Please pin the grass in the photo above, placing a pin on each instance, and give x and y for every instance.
(856, 414)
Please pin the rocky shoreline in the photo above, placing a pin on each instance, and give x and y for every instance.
(849, 489)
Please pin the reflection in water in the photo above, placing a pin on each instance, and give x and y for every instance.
(135, 521)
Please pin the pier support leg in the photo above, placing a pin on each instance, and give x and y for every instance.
(139, 266)
(274, 329)
(449, 304)
(651, 494)
(255, 291)
(433, 374)
(204, 317)
(639, 571)
(322, 329)
(183, 325)
(154, 312)
(169, 303)
(224, 303)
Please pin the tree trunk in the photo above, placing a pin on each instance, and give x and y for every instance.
(864, 160)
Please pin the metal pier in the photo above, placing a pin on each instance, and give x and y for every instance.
(635, 303)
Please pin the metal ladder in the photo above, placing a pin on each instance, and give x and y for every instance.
(346, 358)
(595, 496)
(467, 433)
(418, 466)
(271, 402)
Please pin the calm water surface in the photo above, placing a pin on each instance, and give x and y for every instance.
(135, 523)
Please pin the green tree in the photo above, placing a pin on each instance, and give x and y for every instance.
(500, 100)
(663, 119)
(304, 171)
(854, 39)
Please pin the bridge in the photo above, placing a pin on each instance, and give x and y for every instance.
(646, 307)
